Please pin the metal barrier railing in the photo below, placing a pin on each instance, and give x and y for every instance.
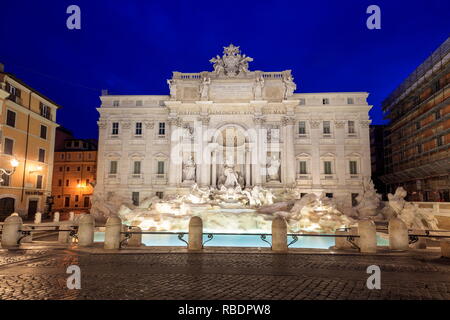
(25, 233)
(263, 236)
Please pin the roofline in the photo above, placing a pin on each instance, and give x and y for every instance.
(58, 106)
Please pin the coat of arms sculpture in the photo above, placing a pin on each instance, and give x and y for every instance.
(232, 63)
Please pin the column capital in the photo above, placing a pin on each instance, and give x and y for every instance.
(259, 119)
(102, 124)
(315, 124)
(365, 123)
(287, 120)
(339, 124)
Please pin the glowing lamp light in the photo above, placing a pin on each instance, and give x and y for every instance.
(14, 163)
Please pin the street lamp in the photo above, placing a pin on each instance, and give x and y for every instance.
(14, 164)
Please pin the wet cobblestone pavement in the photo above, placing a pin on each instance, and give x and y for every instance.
(41, 274)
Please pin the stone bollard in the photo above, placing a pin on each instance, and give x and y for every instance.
(37, 218)
(367, 236)
(279, 235)
(56, 216)
(136, 239)
(71, 216)
(195, 242)
(64, 236)
(445, 248)
(398, 235)
(86, 231)
(10, 232)
(112, 233)
(342, 242)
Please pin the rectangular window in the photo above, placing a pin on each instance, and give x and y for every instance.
(419, 148)
(11, 118)
(417, 125)
(303, 167)
(59, 183)
(116, 103)
(440, 141)
(350, 101)
(137, 167)
(5, 179)
(88, 168)
(327, 167)
(351, 127)
(162, 128)
(43, 134)
(325, 101)
(78, 168)
(113, 167)
(9, 145)
(437, 115)
(326, 127)
(160, 167)
(329, 195)
(76, 198)
(353, 167)
(115, 128)
(60, 169)
(67, 201)
(67, 182)
(41, 155)
(302, 127)
(45, 111)
(39, 182)
(138, 103)
(354, 201)
(160, 194)
(138, 130)
(86, 202)
(135, 198)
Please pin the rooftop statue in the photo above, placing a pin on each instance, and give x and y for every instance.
(232, 63)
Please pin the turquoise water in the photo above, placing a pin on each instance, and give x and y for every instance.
(172, 240)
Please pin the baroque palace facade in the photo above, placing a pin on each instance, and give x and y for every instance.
(232, 120)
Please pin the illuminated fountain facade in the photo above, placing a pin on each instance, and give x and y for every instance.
(236, 147)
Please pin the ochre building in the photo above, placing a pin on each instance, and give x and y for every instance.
(27, 137)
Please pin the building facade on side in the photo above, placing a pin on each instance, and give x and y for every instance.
(27, 136)
(74, 175)
(250, 121)
(417, 140)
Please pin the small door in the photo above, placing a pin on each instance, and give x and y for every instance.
(32, 209)
(6, 207)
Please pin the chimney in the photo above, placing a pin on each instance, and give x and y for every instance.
(2, 67)
(104, 92)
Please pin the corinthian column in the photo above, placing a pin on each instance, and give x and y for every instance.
(289, 160)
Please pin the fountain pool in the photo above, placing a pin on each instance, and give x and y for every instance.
(171, 240)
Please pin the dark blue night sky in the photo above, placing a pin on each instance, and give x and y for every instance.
(132, 47)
